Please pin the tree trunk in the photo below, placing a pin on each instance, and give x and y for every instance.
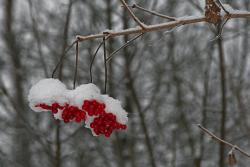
(223, 101)
(21, 141)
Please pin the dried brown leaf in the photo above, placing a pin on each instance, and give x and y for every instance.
(231, 158)
(212, 12)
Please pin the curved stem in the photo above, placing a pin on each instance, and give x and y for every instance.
(105, 65)
(76, 64)
(62, 57)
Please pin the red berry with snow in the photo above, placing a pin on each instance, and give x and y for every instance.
(102, 116)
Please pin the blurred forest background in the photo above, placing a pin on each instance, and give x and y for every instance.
(168, 81)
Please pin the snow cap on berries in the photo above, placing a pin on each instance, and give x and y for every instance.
(47, 91)
(102, 114)
(83, 92)
(114, 106)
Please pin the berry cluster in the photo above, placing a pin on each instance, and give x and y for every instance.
(72, 113)
(69, 113)
(103, 123)
(93, 108)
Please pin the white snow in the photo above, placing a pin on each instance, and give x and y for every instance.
(114, 106)
(58, 115)
(88, 121)
(49, 91)
(83, 92)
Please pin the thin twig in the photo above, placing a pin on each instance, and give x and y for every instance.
(222, 6)
(105, 65)
(76, 64)
(213, 136)
(123, 46)
(92, 61)
(153, 12)
(94, 56)
(62, 57)
(220, 30)
(142, 25)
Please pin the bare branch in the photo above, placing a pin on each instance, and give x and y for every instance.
(214, 137)
(153, 12)
(150, 28)
(123, 46)
(162, 26)
(142, 25)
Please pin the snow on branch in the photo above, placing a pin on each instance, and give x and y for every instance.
(215, 13)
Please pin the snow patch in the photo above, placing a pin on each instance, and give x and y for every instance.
(47, 91)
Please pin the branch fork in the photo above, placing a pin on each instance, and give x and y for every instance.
(212, 15)
(142, 25)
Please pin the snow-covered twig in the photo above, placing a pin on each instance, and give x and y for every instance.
(149, 28)
(213, 15)
(162, 26)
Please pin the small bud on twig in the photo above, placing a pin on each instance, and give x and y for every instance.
(231, 157)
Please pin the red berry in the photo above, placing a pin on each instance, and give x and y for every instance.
(78, 119)
(66, 120)
(86, 105)
(92, 125)
(124, 126)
